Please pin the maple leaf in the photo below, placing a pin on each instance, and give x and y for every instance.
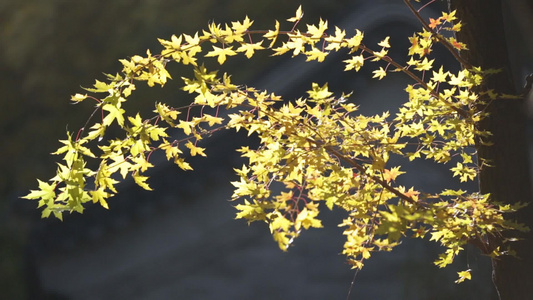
(221, 53)
(141, 181)
(239, 27)
(272, 35)
(457, 45)
(390, 175)
(120, 164)
(279, 223)
(78, 97)
(354, 42)
(194, 149)
(175, 42)
(317, 32)
(297, 44)
(249, 49)
(100, 87)
(456, 27)
(336, 40)
(46, 191)
(319, 92)
(185, 166)
(379, 73)
(307, 218)
(440, 76)
(166, 113)
(415, 46)
(115, 113)
(299, 15)
(187, 126)
(140, 163)
(137, 122)
(354, 63)
(464, 172)
(464, 275)
(99, 196)
(411, 193)
(171, 151)
(212, 120)
(385, 43)
(316, 54)
(433, 23)
(424, 65)
(449, 17)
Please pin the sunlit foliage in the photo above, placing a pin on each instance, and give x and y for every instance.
(316, 152)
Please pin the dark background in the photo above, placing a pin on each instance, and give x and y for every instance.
(181, 242)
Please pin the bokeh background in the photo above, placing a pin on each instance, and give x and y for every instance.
(181, 241)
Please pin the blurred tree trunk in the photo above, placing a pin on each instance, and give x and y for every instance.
(508, 180)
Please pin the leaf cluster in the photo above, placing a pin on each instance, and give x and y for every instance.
(316, 151)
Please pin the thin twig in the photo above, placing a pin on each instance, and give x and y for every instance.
(439, 37)
(362, 170)
(419, 80)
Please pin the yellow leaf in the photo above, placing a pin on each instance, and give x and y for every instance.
(185, 166)
(100, 87)
(424, 65)
(449, 17)
(249, 49)
(46, 191)
(166, 113)
(187, 126)
(464, 275)
(174, 43)
(115, 113)
(298, 16)
(306, 219)
(335, 41)
(119, 164)
(354, 42)
(354, 63)
(221, 53)
(272, 35)
(239, 27)
(316, 54)
(78, 97)
(99, 196)
(385, 43)
(171, 151)
(212, 120)
(141, 181)
(440, 76)
(317, 32)
(194, 149)
(279, 222)
(379, 73)
(319, 92)
(140, 163)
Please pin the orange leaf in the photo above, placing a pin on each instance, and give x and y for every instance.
(434, 23)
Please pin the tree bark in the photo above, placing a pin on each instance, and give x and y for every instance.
(508, 180)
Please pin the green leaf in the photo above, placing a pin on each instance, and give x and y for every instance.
(46, 191)
(100, 196)
(115, 113)
(78, 97)
(100, 87)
